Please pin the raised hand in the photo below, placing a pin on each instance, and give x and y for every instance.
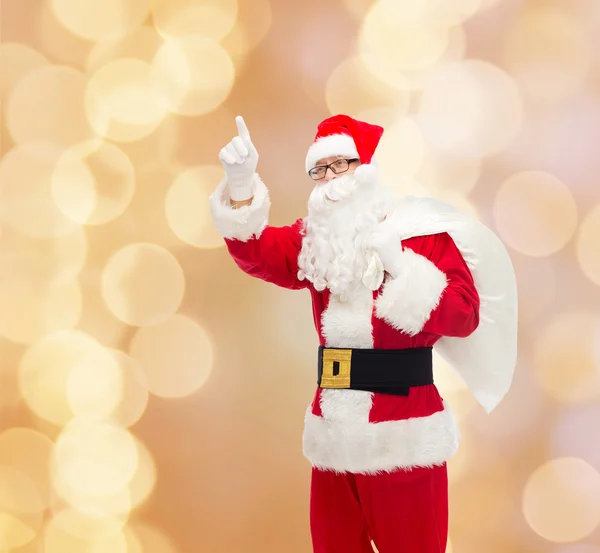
(239, 159)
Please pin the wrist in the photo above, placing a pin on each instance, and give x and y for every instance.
(240, 188)
(394, 264)
(236, 204)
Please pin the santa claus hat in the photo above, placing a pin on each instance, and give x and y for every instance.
(341, 135)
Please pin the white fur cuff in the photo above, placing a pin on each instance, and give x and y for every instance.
(406, 302)
(369, 448)
(244, 222)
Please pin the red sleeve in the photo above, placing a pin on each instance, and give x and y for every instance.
(433, 292)
(272, 257)
(457, 313)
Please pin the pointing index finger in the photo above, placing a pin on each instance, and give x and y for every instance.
(242, 128)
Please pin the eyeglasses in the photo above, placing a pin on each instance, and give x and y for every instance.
(339, 166)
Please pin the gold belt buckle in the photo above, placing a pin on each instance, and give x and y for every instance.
(338, 361)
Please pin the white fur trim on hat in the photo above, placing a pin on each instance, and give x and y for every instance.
(332, 145)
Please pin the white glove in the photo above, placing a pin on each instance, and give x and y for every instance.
(385, 242)
(239, 159)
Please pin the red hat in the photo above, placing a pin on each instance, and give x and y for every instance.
(341, 135)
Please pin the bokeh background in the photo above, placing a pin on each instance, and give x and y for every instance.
(151, 395)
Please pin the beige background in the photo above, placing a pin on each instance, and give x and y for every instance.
(151, 395)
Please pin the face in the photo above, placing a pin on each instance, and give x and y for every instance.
(329, 175)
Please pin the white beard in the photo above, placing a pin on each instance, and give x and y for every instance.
(341, 216)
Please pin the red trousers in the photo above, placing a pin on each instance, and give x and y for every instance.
(402, 511)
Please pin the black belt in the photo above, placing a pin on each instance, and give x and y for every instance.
(386, 371)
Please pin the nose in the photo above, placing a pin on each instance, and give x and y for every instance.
(329, 176)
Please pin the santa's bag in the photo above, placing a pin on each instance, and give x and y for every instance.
(485, 359)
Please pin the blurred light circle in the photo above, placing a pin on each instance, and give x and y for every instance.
(322, 49)
(27, 204)
(535, 213)
(461, 463)
(470, 108)
(561, 500)
(16, 61)
(93, 20)
(571, 437)
(17, 531)
(444, 172)
(358, 8)
(144, 480)
(399, 36)
(546, 143)
(489, 479)
(94, 385)
(565, 363)
(131, 279)
(187, 207)
(134, 396)
(160, 151)
(210, 18)
(453, 388)
(577, 548)
(86, 526)
(534, 299)
(94, 448)
(405, 187)
(151, 539)
(388, 48)
(401, 150)
(42, 294)
(93, 182)
(18, 493)
(457, 200)
(21, 508)
(417, 80)
(31, 311)
(122, 102)
(148, 210)
(180, 345)
(116, 505)
(352, 88)
(44, 372)
(56, 41)
(253, 23)
(548, 53)
(194, 74)
(58, 538)
(142, 44)
(437, 12)
(97, 320)
(455, 52)
(588, 245)
(382, 116)
(38, 261)
(29, 451)
(46, 105)
(520, 413)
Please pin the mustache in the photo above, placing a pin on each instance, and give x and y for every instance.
(325, 195)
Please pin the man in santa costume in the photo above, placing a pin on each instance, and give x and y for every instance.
(390, 280)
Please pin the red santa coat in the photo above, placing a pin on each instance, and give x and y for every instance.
(434, 296)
